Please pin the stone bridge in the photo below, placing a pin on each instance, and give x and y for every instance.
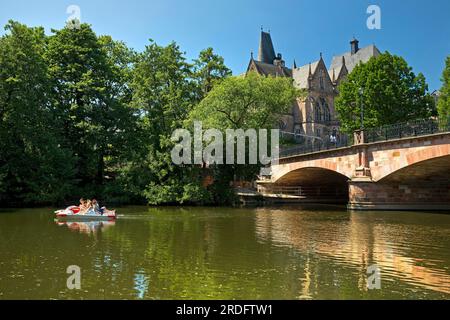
(411, 173)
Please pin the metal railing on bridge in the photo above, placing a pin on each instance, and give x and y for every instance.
(413, 128)
(408, 129)
(340, 141)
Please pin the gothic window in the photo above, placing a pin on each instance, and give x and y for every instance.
(325, 110)
(322, 86)
(318, 115)
(282, 124)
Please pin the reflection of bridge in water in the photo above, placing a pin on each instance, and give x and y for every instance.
(402, 250)
(406, 166)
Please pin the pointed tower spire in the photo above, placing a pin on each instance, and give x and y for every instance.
(251, 55)
(343, 60)
(310, 72)
(295, 65)
(266, 52)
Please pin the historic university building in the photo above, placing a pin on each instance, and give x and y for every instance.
(315, 115)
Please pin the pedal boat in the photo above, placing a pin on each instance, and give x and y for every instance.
(73, 214)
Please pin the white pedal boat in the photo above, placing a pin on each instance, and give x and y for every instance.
(73, 214)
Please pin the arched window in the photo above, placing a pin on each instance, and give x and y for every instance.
(318, 115)
(325, 110)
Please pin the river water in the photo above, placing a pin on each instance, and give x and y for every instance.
(223, 253)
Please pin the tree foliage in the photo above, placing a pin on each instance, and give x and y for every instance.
(250, 102)
(89, 82)
(444, 98)
(209, 69)
(164, 92)
(84, 115)
(34, 164)
(391, 93)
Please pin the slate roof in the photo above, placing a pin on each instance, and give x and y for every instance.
(352, 60)
(272, 70)
(266, 52)
(336, 72)
(301, 74)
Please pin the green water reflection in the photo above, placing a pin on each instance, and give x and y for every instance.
(222, 253)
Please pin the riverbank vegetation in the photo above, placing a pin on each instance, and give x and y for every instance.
(84, 115)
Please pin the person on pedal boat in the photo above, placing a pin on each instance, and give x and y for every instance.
(82, 206)
(87, 205)
(96, 207)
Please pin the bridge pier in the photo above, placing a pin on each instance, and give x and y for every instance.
(420, 195)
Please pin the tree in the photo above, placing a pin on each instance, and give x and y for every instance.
(251, 102)
(444, 98)
(163, 95)
(246, 102)
(209, 69)
(391, 93)
(90, 81)
(34, 166)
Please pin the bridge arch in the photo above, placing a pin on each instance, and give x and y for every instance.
(428, 170)
(292, 170)
(315, 184)
(311, 176)
(414, 159)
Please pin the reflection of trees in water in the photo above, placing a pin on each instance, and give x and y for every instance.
(201, 253)
(215, 253)
(400, 248)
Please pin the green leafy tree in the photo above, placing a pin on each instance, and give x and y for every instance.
(209, 69)
(34, 166)
(163, 95)
(90, 81)
(444, 98)
(251, 102)
(391, 93)
(246, 102)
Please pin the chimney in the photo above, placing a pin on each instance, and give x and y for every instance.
(354, 45)
(278, 61)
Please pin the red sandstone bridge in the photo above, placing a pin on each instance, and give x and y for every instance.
(400, 167)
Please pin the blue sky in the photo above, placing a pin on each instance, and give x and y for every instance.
(418, 30)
